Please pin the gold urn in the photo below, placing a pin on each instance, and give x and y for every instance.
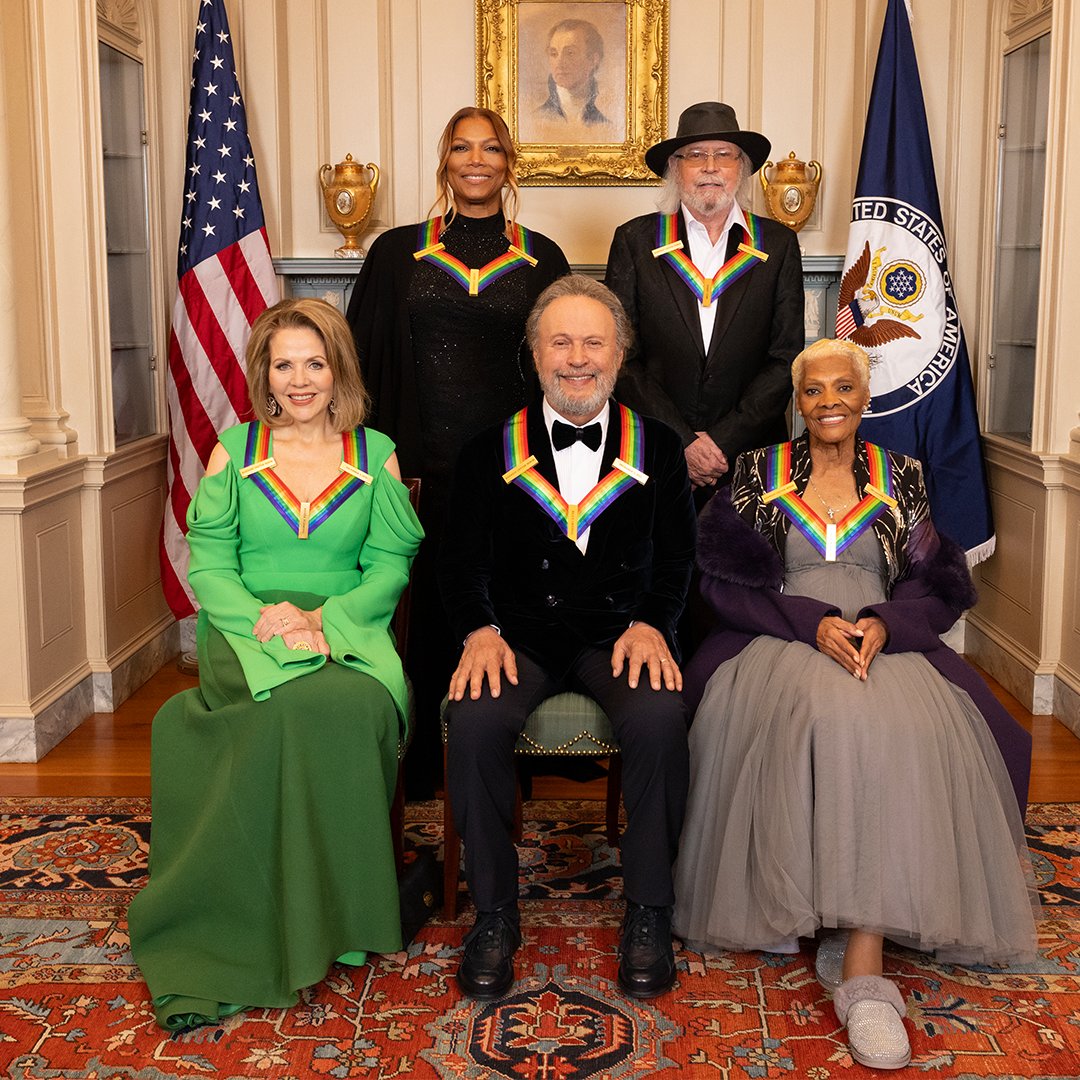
(349, 196)
(790, 194)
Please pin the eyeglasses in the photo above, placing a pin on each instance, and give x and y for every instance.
(697, 158)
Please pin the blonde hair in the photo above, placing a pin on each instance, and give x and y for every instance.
(855, 354)
(350, 401)
(444, 194)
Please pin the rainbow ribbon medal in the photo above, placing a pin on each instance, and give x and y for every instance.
(829, 539)
(432, 249)
(574, 519)
(305, 517)
(707, 290)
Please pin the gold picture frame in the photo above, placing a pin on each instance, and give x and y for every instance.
(621, 112)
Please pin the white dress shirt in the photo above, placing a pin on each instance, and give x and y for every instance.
(577, 466)
(709, 257)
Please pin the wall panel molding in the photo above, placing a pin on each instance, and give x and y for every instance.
(122, 19)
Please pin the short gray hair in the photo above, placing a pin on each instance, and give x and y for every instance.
(856, 354)
(669, 198)
(580, 285)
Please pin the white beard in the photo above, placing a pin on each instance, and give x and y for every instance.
(708, 203)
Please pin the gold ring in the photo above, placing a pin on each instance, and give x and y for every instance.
(301, 646)
(285, 621)
(664, 660)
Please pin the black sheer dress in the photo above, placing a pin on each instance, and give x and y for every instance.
(442, 366)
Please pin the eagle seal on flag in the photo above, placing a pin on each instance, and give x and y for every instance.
(896, 301)
(861, 315)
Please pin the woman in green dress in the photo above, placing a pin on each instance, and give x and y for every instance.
(271, 853)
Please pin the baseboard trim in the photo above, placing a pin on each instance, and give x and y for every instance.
(29, 738)
(1067, 704)
(1034, 690)
(113, 688)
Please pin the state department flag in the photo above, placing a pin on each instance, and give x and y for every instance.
(225, 278)
(896, 300)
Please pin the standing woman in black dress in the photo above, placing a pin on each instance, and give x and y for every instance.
(438, 313)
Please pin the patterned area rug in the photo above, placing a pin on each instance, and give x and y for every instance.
(72, 1003)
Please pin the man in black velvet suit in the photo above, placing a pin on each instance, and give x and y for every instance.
(715, 295)
(565, 566)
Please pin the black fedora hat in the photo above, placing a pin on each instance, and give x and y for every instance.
(709, 120)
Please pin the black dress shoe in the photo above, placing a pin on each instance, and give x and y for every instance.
(487, 968)
(646, 959)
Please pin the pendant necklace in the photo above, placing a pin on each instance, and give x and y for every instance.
(832, 512)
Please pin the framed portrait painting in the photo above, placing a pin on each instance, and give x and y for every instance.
(582, 85)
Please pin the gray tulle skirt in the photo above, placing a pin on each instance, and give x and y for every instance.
(818, 800)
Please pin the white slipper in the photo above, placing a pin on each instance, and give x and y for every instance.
(872, 1010)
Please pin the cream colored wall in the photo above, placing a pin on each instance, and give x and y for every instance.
(377, 78)
(78, 518)
(41, 579)
(1066, 702)
(1025, 628)
(1057, 421)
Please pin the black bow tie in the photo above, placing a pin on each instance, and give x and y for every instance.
(564, 435)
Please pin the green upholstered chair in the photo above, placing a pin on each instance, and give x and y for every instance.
(566, 725)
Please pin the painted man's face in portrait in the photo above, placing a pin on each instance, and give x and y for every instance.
(572, 65)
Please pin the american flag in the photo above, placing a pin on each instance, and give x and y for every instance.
(225, 279)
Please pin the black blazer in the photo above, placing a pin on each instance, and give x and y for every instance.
(739, 390)
(505, 562)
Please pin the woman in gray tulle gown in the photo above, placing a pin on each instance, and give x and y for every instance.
(848, 770)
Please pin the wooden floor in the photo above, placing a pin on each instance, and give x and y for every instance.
(110, 754)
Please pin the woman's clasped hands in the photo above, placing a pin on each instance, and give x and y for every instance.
(300, 630)
(852, 645)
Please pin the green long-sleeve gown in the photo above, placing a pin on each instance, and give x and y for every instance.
(271, 854)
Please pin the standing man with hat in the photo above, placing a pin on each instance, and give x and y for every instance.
(715, 294)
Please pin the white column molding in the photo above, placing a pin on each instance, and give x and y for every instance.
(407, 182)
(69, 207)
(1057, 387)
(15, 439)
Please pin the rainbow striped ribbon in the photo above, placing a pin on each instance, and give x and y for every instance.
(305, 517)
(574, 519)
(519, 253)
(707, 290)
(829, 539)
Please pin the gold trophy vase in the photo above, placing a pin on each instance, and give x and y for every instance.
(349, 196)
(790, 194)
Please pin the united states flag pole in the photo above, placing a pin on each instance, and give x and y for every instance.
(225, 278)
(896, 300)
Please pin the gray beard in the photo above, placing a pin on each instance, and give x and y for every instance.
(578, 408)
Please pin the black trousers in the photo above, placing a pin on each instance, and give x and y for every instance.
(650, 727)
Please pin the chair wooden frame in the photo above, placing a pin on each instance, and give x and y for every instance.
(526, 747)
